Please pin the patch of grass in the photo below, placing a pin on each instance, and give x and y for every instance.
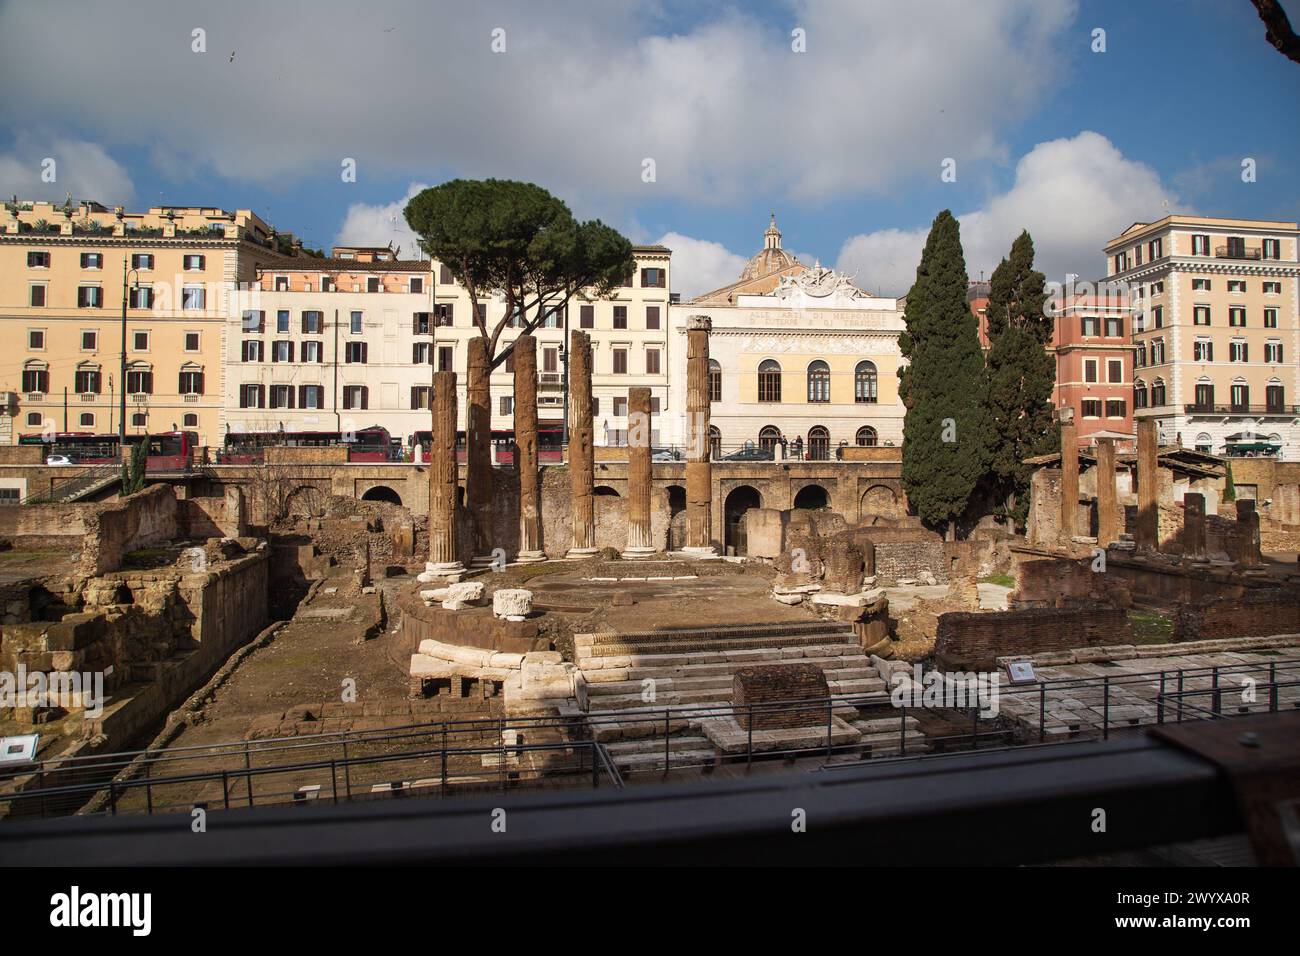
(526, 572)
(148, 558)
(1005, 580)
(1151, 627)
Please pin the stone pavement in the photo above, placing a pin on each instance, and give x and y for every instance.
(1076, 695)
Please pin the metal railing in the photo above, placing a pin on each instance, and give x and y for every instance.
(1230, 409)
(1096, 707)
(77, 483)
(1237, 252)
(437, 769)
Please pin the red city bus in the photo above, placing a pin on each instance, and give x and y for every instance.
(550, 444)
(365, 444)
(168, 451)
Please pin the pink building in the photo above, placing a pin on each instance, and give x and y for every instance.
(1094, 366)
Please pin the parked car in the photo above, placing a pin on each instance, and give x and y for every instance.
(666, 454)
(749, 454)
(59, 460)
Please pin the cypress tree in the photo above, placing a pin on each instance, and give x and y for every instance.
(1021, 376)
(944, 387)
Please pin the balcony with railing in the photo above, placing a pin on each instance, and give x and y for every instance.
(1210, 409)
(1237, 252)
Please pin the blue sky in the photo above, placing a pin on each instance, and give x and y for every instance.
(843, 141)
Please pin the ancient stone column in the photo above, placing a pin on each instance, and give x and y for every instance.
(478, 440)
(1069, 483)
(581, 452)
(699, 470)
(1107, 523)
(640, 543)
(1193, 525)
(530, 493)
(1148, 475)
(443, 563)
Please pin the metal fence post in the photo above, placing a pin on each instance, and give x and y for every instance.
(248, 773)
(1105, 707)
(1042, 711)
(749, 747)
(830, 716)
(667, 743)
(1160, 700)
(1217, 696)
(225, 788)
(347, 771)
(1272, 687)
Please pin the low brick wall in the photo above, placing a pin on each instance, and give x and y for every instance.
(773, 683)
(1255, 614)
(973, 641)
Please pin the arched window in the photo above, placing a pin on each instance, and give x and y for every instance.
(864, 383)
(819, 382)
(1139, 394)
(819, 443)
(715, 442)
(1158, 393)
(715, 381)
(769, 381)
(769, 437)
(866, 437)
(191, 420)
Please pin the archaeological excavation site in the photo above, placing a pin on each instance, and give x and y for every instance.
(238, 637)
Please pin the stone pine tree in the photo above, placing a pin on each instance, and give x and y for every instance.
(944, 387)
(1021, 375)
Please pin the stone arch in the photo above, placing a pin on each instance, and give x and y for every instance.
(739, 500)
(307, 501)
(812, 497)
(676, 499)
(382, 493)
(880, 500)
(605, 490)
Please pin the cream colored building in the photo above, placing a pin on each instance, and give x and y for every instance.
(802, 359)
(64, 271)
(1216, 330)
(351, 341)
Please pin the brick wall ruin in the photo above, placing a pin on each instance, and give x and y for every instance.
(772, 684)
(1256, 614)
(973, 641)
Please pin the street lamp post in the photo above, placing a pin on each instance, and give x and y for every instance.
(121, 421)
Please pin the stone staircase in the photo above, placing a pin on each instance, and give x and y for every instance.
(692, 671)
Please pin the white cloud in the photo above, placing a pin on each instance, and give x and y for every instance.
(82, 168)
(700, 265)
(584, 93)
(379, 225)
(1071, 194)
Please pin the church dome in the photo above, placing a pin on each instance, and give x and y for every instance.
(771, 258)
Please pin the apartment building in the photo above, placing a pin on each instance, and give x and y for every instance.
(68, 272)
(351, 341)
(1094, 366)
(1216, 330)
